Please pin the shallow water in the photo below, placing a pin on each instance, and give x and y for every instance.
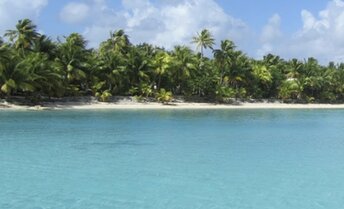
(172, 159)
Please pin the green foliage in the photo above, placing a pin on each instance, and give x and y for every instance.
(34, 66)
(104, 96)
(161, 63)
(203, 40)
(290, 89)
(24, 35)
(144, 90)
(164, 96)
(262, 74)
(225, 94)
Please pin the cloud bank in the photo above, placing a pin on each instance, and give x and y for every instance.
(13, 10)
(165, 23)
(321, 36)
(173, 22)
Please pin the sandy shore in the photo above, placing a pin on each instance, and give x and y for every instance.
(132, 104)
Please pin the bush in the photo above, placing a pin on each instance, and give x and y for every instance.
(224, 94)
(144, 90)
(104, 96)
(164, 96)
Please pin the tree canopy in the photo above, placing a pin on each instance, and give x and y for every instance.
(34, 66)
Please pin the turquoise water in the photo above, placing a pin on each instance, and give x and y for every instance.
(181, 159)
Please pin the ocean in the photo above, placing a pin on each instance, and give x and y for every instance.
(172, 159)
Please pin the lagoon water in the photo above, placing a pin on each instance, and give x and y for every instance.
(172, 159)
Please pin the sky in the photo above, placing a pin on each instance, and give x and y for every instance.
(290, 29)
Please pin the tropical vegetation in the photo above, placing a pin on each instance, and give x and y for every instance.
(36, 67)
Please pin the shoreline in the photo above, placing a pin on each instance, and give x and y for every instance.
(130, 103)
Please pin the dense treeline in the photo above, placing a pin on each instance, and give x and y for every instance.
(34, 66)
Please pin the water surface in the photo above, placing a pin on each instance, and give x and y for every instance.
(172, 159)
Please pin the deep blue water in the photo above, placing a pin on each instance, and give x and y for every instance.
(172, 159)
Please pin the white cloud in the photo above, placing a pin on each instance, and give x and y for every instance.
(321, 36)
(170, 22)
(13, 10)
(164, 23)
(271, 34)
(180, 23)
(74, 12)
(272, 30)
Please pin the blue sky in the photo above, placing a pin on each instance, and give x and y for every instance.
(256, 13)
(290, 28)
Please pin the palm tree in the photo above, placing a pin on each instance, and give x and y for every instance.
(17, 78)
(120, 41)
(161, 63)
(24, 34)
(6, 58)
(224, 57)
(292, 89)
(203, 80)
(336, 79)
(262, 78)
(137, 67)
(73, 61)
(5, 54)
(108, 73)
(44, 78)
(294, 69)
(182, 66)
(262, 73)
(277, 68)
(45, 45)
(203, 40)
(233, 66)
(240, 74)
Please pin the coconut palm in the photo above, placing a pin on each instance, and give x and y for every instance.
(137, 67)
(44, 78)
(24, 34)
(233, 65)
(203, 80)
(108, 73)
(73, 61)
(291, 89)
(161, 63)
(120, 41)
(262, 79)
(182, 66)
(203, 40)
(223, 57)
(5, 54)
(15, 78)
(294, 68)
(6, 59)
(277, 67)
(45, 45)
(262, 73)
(34, 65)
(336, 81)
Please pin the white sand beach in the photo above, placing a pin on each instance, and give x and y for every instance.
(130, 103)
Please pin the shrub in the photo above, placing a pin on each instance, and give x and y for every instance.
(104, 96)
(164, 96)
